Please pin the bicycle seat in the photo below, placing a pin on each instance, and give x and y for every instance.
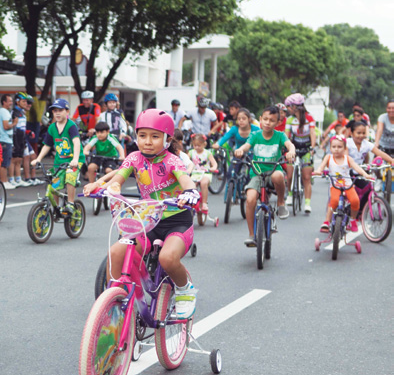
(158, 243)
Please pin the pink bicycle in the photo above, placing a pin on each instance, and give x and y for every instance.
(121, 320)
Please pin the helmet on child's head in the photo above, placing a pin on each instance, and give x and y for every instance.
(281, 106)
(21, 95)
(295, 99)
(156, 119)
(203, 102)
(87, 95)
(110, 97)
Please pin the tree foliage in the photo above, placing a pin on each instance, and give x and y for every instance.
(369, 74)
(5, 52)
(269, 60)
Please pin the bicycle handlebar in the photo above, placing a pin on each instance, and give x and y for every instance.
(251, 163)
(325, 174)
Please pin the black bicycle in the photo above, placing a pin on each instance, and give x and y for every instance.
(219, 179)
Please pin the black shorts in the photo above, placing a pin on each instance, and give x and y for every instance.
(107, 163)
(19, 140)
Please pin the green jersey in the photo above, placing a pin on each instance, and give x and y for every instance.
(269, 150)
(106, 147)
(63, 142)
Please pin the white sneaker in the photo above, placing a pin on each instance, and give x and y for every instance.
(14, 183)
(289, 200)
(23, 183)
(31, 182)
(308, 208)
(8, 186)
(38, 181)
(185, 301)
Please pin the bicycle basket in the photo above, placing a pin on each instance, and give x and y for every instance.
(135, 218)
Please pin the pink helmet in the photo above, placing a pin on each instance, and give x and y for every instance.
(155, 119)
(295, 99)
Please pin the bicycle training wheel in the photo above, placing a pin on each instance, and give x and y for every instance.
(387, 190)
(377, 221)
(171, 340)
(3, 200)
(218, 179)
(99, 352)
(75, 223)
(261, 240)
(101, 279)
(40, 222)
(336, 237)
(97, 205)
(201, 218)
(229, 201)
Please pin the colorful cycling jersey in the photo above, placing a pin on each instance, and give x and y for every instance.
(157, 179)
(106, 147)
(201, 161)
(300, 139)
(339, 170)
(115, 121)
(20, 114)
(87, 116)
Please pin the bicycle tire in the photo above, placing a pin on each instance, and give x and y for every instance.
(75, 224)
(260, 240)
(377, 230)
(40, 222)
(101, 279)
(268, 241)
(387, 191)
(336, 237)
(171, 339)
(229, 201)
(98, 350)
(300, 193)
(218, 179)
(97, 205)
(295, 191)
(242, 204)
(3, 200)
(106, 203)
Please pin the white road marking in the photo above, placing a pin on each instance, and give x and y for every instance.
(132, 188)
(350, 236)
(21, 204)
(149, 358)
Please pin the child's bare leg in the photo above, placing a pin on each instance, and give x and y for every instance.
(170, 259)
(204, 183)
(117, 255)
(92, 168)
(11, 168)
(251, 201)
(290, 169)
(278, 180)
(108, 170)
(353, 214)
(18, 163)
(71, 193)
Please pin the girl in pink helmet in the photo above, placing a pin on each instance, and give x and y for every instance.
(160, 174)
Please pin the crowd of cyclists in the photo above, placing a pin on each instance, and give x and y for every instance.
(165, 148)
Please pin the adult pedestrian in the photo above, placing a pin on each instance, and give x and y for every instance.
(6, 133)
(175, 112)
(384, 138)
(88, 113)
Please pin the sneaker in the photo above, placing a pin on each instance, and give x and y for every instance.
(352, 226)
(69, 209)
(39, 182)
(23, 183)
(289, 200)
(307, 208)
(31, 182)
(8, 186)
(283, 212)
(13, 183)
(250, 242)
(185, 301)
(325, 227)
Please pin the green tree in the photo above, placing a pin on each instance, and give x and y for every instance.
(5, 52)
(269, 60)
(368, 77)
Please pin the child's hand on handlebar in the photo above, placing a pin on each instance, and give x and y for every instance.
(238, 153)
(290, 156)
(189, 196)
(34, 162)
(215, 146)
(317, 172)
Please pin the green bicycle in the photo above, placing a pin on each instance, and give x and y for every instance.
(46, 211)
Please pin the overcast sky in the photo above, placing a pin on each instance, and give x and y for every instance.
(374, 14)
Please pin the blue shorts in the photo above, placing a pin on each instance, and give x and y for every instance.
(7, 154)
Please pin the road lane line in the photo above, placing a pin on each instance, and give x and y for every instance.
(21, 204)
(350, 236)
(149, 358)
(132, 188)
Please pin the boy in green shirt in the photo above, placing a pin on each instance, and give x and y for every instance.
(267, 146)
(105, 144)
(63, 135)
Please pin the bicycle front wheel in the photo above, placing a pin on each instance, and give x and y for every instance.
(97, 205)
(336, 237)
(219, 179)
(75, 223)
(3, 200)
(295, 190)
(101, 279)
(376, 220)
(261, 240)
(387, 190)
(99, 352)
(229, 201)
(268, 241)
(171, 339)
(40, 222)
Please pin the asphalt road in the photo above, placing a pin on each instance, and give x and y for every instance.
(320, 316)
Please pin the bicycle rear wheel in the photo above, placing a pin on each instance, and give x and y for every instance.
(377, 221)
(99, 352)
(387, 190)
(97, 205)
(171, 340)
(101, 279)
(40, 222)
(219, 179)
(75, 223)
(3, 200)
(229, 201)
(336, 237)
(261, 240)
